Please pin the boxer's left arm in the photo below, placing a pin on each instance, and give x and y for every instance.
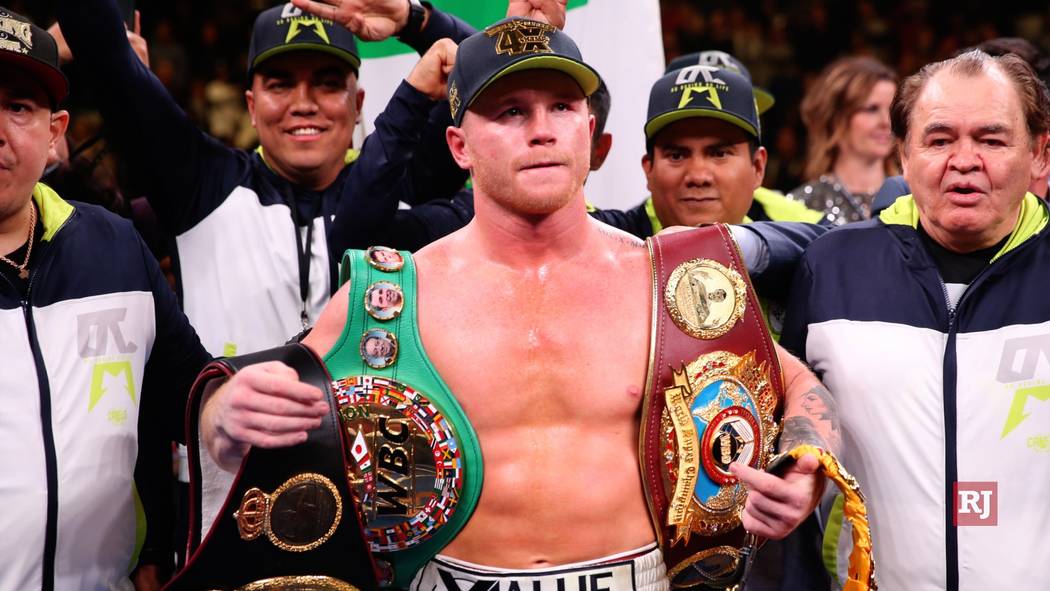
(776, 505)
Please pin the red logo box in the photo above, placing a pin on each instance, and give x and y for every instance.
(976, 503)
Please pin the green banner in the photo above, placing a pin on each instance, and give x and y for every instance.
(479, 13)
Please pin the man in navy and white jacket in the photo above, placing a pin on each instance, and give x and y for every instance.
(937, 347)
(250, 230)
(93, 346)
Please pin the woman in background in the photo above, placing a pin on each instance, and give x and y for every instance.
(851, 148)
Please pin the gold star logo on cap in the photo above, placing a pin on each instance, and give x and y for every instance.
(689, 91)
(519, 37)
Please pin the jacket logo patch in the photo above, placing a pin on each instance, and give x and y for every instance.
(101, 339)
(106, 377)
(95, 329)
(1020, 361)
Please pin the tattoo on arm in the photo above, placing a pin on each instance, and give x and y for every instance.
(620, 235)
(812, 420)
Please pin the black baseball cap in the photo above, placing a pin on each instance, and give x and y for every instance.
(30, 48)
(721, 59)
(702, 91)
(513, 45)
(285, 28)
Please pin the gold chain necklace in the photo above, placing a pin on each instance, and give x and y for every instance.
(23, 271)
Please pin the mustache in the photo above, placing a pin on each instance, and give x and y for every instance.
(551, 158)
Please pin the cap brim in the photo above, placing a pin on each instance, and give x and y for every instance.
(353, 60)
(54, 82)
(583, 74)
(661, 121)
(763, 99)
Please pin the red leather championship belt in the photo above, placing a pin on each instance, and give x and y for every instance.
(713, 397)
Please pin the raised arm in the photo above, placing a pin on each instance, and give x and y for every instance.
(382, 174)
(376, 20)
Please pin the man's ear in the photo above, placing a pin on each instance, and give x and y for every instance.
(902, 156)
(758, 162)
(601, 150)
(360, 98)
(59, 123)
(457, 146)
(249, 99)
(647, 169)
(1041, 159)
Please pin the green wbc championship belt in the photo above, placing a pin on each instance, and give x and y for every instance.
(713, 393)
(414, 459)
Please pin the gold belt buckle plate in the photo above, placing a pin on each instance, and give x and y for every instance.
(720, 410)
(406, 468)
(298, 583)
(300, 515)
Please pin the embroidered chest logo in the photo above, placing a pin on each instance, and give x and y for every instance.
(521, 37)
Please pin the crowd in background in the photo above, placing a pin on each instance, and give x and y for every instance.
(786, 44)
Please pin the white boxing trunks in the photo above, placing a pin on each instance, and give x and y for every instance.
(635, 570)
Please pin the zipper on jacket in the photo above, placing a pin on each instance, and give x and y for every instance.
(951, 451)
(50, 456)
(951, 466)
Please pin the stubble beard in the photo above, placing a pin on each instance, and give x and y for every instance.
(515, 196)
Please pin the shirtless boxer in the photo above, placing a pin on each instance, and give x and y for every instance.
(537, 317)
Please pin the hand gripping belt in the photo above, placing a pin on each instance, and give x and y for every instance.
(714, 396)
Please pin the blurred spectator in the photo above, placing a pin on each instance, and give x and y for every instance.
(850, 152)
(224, 104)
(169, 59)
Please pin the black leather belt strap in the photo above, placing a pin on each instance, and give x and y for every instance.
(283, 500)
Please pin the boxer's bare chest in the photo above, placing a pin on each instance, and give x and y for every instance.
(544, 345)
